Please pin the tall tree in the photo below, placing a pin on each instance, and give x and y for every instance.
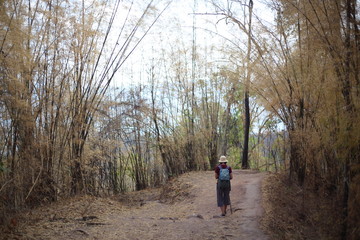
(228, 10)
(245, 156)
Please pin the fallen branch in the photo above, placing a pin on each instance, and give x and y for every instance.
(2, 187)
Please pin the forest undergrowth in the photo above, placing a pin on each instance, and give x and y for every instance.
(296, 212)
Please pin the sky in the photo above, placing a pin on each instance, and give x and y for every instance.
(176, 24)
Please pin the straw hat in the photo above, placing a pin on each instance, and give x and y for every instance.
(222, 159)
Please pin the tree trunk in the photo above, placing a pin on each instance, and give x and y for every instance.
(245, 157)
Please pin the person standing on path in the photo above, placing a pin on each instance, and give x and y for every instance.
(223, 174)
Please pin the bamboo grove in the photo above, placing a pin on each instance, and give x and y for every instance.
(311, 81)
(66, 131)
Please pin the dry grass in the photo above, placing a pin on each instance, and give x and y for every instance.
(290, 212)
(80, 210)
(173, 191)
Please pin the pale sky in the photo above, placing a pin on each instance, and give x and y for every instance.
(175, 24)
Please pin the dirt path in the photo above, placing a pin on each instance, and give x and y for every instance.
(194, 217)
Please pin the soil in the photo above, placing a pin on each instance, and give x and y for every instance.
(183, 209)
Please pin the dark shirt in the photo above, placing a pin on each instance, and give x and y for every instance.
(217, 169)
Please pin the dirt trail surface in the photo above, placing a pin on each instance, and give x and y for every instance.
(186, 209)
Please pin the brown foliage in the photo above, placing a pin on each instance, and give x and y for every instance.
(312, 85)
(298, 212)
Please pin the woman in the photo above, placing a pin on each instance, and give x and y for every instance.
(223, 174)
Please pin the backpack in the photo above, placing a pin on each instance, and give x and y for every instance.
(224, 178)
(224, 173)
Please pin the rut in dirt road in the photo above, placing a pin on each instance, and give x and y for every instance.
(246, 196)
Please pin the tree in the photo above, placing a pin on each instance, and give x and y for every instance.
(245, 160)
(309, 75)
(56, 66)
(228, 12)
